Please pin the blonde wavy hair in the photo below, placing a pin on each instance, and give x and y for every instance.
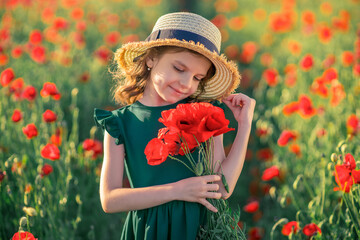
(130, 85)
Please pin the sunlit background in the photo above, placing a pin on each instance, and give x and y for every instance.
(300, 60)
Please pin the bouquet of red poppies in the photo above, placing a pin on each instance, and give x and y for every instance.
(187, 127)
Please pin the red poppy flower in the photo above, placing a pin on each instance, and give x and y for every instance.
(321, 132)
(94, 146)
(294, 47)
(346, 175)
(50, 89)
(353, 124)
(251, 207)
(219, 20)
(319, 87)
(7, 76)
(295, 148)
(56, 138)
(290, 108)
(16, 87)
(311, 229)
(2, 175)
(81, 26)
(285, 137)
(23, 236)
(49, 116)
(271, 77)
(60, 23)
(265, 154)
(307, 62)
(249, 50)
(29, 93)
(329, 75)
(103, 54)
(50, 151)
(17, 52)
(35, 37)
(308, 17)
(38, 54)
(112, 38)
(306, 110)
(156, 152)
(347, 58)
(17, 115)
(356, 69)
(255, 233)
(324, 34)
(30, 131)
(281, 22)
(46, 170)
(232, 51)
(77, 14)
(270, 173)
(329, 61)
(337, 93)
(290, 227)
(237, 23)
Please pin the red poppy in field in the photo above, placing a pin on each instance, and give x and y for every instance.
(156, 152)
(353, 124)
(266, 59)
(295, 148)
(324, 33)
(23, 236)
(321, 132)
(285, 137)
(77, 14)
(281, 22)
(30, 131)
(50, 89)
(290, 227)
(60, 23)
(306, 110)
(294, 47)
(308, 17)
(112, 38)
(50, 151)
(35, 37)
(265, 154)
(79, 40)
(46, 170)
(346, 175)
(57, 137)
(17, 115)
(329, 61)
(226, 6)
(342, 22)
(347, 58)
(47, 15)
(219, 20)
(2, 175)
(251, 207)
(311, 229)
(4, 59)
(326, 8)
(49, 116)
(237, 23)
(81, 26)
(356, 69)
(16, 87)
(231, 51)
(93, 146)
(38, 54)
(307, 62)
(329, 75)
(270, 173)
(319, 87)
(7, 76)
(262, 131)
(271, 76)
(103, 54)
(255, 233)
(29, 93)
(291, 108)
(84, 77)
(337, 93)
(17, 52)
(249, 50)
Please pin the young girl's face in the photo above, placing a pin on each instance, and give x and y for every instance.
(174, 76)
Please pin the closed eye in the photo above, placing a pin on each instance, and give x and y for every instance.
(178, 69)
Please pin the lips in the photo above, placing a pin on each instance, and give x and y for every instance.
(177, 91)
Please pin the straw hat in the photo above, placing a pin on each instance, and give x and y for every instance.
(188, 30)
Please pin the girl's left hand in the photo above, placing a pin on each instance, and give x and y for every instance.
(241, 106)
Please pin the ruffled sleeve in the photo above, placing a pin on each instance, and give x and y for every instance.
(109, 122)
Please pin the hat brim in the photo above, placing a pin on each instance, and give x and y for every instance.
(225, 80)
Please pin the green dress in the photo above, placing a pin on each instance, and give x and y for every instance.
(134, 126)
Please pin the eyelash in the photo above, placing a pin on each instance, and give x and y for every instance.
(180, 70)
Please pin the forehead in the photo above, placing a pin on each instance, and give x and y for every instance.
(187, 58)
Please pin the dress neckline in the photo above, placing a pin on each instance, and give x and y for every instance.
(172, 105)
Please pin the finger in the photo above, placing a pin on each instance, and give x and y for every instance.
(208, 205)
(215, 195)
(212, 187)
(211, 178)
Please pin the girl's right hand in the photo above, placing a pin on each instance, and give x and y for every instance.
(198, 189)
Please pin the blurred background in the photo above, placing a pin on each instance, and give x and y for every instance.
(300, 60)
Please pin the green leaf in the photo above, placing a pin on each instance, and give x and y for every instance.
(223, 179)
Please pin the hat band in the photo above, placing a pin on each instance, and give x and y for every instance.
(182, 35)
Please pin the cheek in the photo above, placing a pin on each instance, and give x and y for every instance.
(195, 86)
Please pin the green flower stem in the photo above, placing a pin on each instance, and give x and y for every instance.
(352, 214)
(174, 158)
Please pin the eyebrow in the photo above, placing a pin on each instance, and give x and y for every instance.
(183, 65)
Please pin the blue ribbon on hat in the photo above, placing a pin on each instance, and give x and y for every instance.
(182, 35)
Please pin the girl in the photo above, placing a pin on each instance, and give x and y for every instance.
(179, 62)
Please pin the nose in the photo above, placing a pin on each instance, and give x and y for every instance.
(186, 81)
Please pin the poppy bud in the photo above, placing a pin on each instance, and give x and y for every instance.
(23, 222)
(333, 157)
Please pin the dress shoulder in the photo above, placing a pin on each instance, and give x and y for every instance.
(110, 122)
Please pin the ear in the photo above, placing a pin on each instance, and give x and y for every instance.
(150, 62)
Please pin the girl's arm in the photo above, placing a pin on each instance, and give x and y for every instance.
(231, 165)
(115, 198)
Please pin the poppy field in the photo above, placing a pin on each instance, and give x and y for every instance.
(300, 61)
